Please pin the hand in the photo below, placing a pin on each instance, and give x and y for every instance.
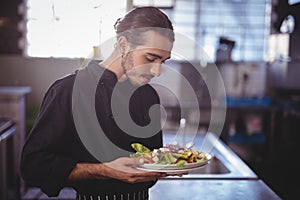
(180, 175)
(122, 169)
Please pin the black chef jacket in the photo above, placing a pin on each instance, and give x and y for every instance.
(53, 146)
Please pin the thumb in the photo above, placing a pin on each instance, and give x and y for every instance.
(138, 161)
(143, 160)
(131, 161)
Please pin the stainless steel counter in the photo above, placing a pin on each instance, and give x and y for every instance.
(7, 128)
(211, 189)
(224, 165)
(13, 106)
(225, 177)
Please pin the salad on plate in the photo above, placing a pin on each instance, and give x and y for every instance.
(171, 155)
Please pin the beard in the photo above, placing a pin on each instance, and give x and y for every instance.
(127, 63)
(128, 68)
(135, 74)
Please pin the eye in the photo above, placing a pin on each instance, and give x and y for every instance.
(150, 59)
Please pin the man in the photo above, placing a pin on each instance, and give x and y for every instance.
(66, 147)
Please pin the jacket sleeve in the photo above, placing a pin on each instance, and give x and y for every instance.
(45, 162)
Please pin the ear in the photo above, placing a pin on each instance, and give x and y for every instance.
(123, 45)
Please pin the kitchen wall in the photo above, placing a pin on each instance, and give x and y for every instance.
(38, 73)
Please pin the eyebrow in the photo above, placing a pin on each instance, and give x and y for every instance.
(157, 56)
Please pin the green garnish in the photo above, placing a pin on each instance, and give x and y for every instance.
(140, 148)
(181, 163)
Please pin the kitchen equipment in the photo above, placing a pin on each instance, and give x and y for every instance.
(7, 128)
(244, 79)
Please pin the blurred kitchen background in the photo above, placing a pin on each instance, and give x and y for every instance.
(254, 43)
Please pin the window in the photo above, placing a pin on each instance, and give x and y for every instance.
(244, 21)
(69, 28)
(158, 3)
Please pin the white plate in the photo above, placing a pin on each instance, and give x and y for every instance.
(171, 171)
(174, 166)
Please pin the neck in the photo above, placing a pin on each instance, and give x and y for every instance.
(113, 63)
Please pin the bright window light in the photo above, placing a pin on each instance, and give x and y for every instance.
(69, 28)
(156, 3)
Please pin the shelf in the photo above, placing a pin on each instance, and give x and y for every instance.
(255, 138)
(251, 102)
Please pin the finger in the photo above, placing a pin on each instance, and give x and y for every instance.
(143, 160)
(133, 161)
(142, 173)
(148, 160)
(180, 175)
(146, 177)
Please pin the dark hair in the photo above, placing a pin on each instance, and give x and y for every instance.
(143, 19)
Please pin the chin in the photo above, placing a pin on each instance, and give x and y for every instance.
(136, 83)
(141, 83)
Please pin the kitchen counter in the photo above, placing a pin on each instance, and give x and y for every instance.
(225, 164)
(225, 177)
(7, 128)
(211, 189)
(13, 106)
(13, 90)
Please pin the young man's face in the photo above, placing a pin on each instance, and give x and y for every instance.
(144, 62)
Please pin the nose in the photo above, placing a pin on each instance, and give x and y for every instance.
(156, 69)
